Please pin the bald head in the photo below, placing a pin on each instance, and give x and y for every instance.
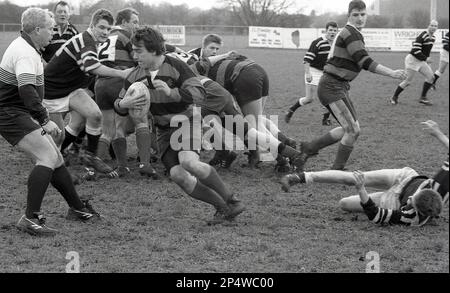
(432, 28)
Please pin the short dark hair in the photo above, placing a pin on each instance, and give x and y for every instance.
(62, 3)
(152, 39)
(428, 203)
(100, 14)
(125, 14)
(332, 24)
(356, 4)
(211, 38)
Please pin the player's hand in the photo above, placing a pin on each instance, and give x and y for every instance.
(399, 74)
(431, 127)
(52, 129)
(161, 86)
(308, 76)
(359, 179)
(232, 54)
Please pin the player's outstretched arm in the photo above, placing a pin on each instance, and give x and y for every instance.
(386, 71)
(433, 129)
(360, 186)
(103, 70)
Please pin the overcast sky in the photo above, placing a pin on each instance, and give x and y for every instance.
(320, 6)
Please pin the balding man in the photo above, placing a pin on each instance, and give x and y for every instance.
(24, 122)
(418, 60)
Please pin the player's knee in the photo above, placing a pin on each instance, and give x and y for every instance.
(96, 118)
(181, 178)
(194, 167)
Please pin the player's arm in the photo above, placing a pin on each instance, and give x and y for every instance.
(357, 50)
(188, 87)
(106, 71)
(28, 90)
(310, 55)
(433, 129)
(377, 214)
(417, 48)
(173, 49)
(214, 59)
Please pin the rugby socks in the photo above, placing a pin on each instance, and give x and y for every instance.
(437, 74)
(287, 151)
(426, 88)
(206, 194)
(342, 157)
(103, 148)
(295, 107)
(92, 143)
(38, 182)
(319, 143)
(68, 139)
(119, 146)
(62, 181)
(143, 144)
(80, 136)
(214, 182)
(398, 91)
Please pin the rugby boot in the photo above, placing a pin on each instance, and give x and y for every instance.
(291, 179)
(35, 226)
(147, 170)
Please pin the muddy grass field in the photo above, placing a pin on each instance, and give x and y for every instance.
(150, 226)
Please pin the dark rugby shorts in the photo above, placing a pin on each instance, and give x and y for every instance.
(15, 124)
(331, 89)
(107, 90)
(251, 85)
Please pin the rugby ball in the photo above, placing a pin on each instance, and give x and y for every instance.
(136, 90)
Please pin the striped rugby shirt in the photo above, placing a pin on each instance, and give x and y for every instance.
(407, 215)
(225, 71)
(21, 65)
(422, 46)
(69, 69)
(348, 55)
(59, 38)
(445, 42)
(186, 90)
(117, 52)
(317, 54)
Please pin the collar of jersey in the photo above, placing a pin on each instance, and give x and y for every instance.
(27, 38)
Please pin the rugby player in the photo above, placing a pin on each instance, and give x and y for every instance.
(406, 198)
(174, 89)
(62, 31)
(211, 44)
(24, 122)
(314, 62)
(418, 60)
(347, 58)
(67, 77)
(117, 53)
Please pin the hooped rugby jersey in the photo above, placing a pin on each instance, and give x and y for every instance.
(317, 53)
(117, 52)
(422, 46)
(69, 69)
(59, 38)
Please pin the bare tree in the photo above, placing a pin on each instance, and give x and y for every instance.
(258, 12)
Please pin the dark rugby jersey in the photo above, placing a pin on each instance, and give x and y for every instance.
(117, 52)
(407, 215)
(21, 65)
(70, 67)
(422, 46)
(445, 42)
(223, 72)
(186, 90)
(317, 54)
(59, 38)
(348, 55)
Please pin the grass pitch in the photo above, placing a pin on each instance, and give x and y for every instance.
(150, 226)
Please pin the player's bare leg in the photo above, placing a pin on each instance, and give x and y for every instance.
(429, 76)
(403, 85)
